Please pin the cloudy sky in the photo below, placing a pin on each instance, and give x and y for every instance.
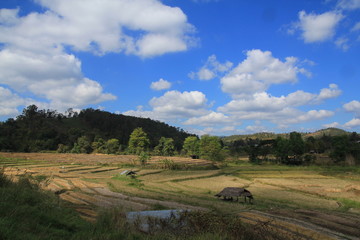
(217, 67)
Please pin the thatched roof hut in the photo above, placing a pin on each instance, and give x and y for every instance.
(235, 192)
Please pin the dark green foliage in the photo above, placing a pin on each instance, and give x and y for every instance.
(112, 146)
(192, 146)
(344, 147)
(37, 130)
(82, 145)
(165, 147)
(290, 151)
(258, 150)
(211, 148)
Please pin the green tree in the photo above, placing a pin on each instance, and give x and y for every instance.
(112, 146)
(282, 148)
(341, 147)
(82, 145)
(210, 148)
(297, 145)
(138, 141)
(165, 147)
(192, 146)
(98, 145)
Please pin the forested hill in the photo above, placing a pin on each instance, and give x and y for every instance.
(36, 130)
(330, 132)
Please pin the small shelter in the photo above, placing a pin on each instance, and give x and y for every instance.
(230, 193)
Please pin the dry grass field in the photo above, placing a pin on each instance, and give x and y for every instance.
(322, 202)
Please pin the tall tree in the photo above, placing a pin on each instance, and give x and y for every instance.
(112, 146)
(138, 141)
(165, 147)
(210, 148)
(192, 146)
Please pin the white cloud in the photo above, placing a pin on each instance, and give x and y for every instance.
(318, 28)
(353, 123)
(57, 78)
(348, 4)
(258, 72)
(280, 110)
(34, 57)
(207, 120)
(101, 27)
(353, 106)
(160, 85)
(309, 116)
(205, 74)
(327, 93)
(9, 16)
(175, 105)
(211, 69)
(264, 102)
(255, 129)
(332, 125)
(9, 102)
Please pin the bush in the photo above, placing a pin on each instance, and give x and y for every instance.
(144, 157)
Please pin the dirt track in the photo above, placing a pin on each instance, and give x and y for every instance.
(66, 178)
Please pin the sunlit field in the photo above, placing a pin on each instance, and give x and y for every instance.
(89, 183)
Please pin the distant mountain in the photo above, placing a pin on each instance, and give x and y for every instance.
(331, 132)
(267, 136)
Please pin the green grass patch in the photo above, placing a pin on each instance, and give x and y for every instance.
(131, 181)
(346, 204)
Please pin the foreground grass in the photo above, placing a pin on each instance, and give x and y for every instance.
(27, 212)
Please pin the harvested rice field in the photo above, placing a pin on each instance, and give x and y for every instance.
(306, 202)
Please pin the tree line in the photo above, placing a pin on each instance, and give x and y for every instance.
(47, 130)
(96, 131)
(297, 150)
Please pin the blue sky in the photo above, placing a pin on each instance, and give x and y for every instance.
(218, 67)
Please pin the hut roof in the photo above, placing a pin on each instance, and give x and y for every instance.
(231, 192)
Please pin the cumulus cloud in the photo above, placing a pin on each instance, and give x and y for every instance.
(255, 128)
(35, 54)
(280, 110)
(101, 27)
(160, 85)
(57, 78)
(9, 102)
(326, 93)
(207, 120)
(317, 27)
(353, 106)
(309, 116)
(353, 123)
(175, 105)
(211, 69)
(258, 72)
(332, 125)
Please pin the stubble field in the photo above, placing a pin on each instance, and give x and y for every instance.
(310, 202)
